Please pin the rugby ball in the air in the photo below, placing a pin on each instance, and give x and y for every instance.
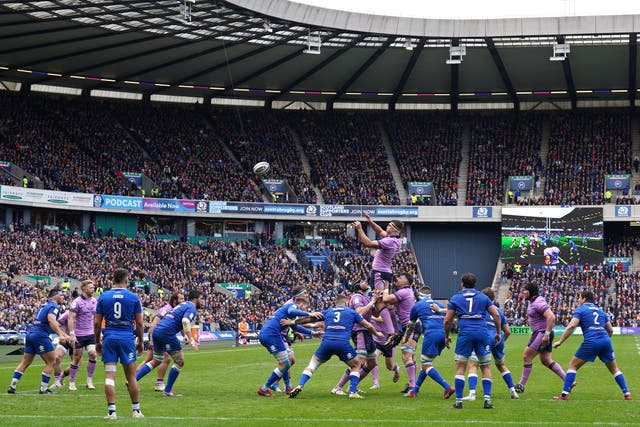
(261, 168)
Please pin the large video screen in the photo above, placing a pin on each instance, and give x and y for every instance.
(553, 237)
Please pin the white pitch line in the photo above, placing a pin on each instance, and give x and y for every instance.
(330, 420)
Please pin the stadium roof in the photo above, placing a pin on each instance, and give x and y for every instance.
(254, 49)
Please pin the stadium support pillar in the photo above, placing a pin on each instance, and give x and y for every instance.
(191, 228)
(278, 230)
(455, 73)
(568, 75)
(268, 104)
(146, 98)
(25, 88)
(86, 222)
(8, 216)
(26, 217)
(633, 54)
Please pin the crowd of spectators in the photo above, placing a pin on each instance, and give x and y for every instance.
(67, 145)
(87, 145)
(189, 159)
(427, 148)
(560, 288)
(175, 266)
(501, 146)
(348, 158)
(583, 147)
(256, 136)
(615, 290)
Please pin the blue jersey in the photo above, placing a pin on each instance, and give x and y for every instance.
(471, 307)
(171, 324)
(491, 325)
(592, 321)
(338, 323)
(287, 311)
(41, 322)
(119, 308)
(430, 321)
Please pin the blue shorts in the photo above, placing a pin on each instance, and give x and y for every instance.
(274, 343)
(600, 348)
(118, 348)
(497, 351)
(84, 341)
(166, 343)
(468, 343)
(342, 349)
(433, 343)
(37, 344)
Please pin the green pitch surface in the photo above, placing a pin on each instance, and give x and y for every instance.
(219, 388)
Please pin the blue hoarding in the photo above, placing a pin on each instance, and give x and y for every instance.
(482, 211)
(522, 183)
(420, 188)
(117, 202)
(617, 182)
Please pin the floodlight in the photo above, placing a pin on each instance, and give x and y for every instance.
(560, 51)
(456, 54)
(313, 43)
(408, 45)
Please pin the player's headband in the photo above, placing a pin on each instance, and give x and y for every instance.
(395, 227)
(300, 292)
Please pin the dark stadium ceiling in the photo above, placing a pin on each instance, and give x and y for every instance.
(226, 50)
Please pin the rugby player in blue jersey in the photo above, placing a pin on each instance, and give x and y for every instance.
(471, 306)
(431, 314)
(121, 310)
(271, 338)
(165, 340)
(363, 342)
(38, 341)
(597, 331)
(497, 350)
(339, 322)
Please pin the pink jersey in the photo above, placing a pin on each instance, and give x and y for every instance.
(356, 301)
(535, 314)
(62, 320)
(388, 247)
(163, 311)
(406, 301)
(387, 327)
(84, 308)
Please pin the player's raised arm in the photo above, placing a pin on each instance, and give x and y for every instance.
(379, 230)
(364, 238)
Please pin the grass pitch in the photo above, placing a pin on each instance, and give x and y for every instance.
(219, 387)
